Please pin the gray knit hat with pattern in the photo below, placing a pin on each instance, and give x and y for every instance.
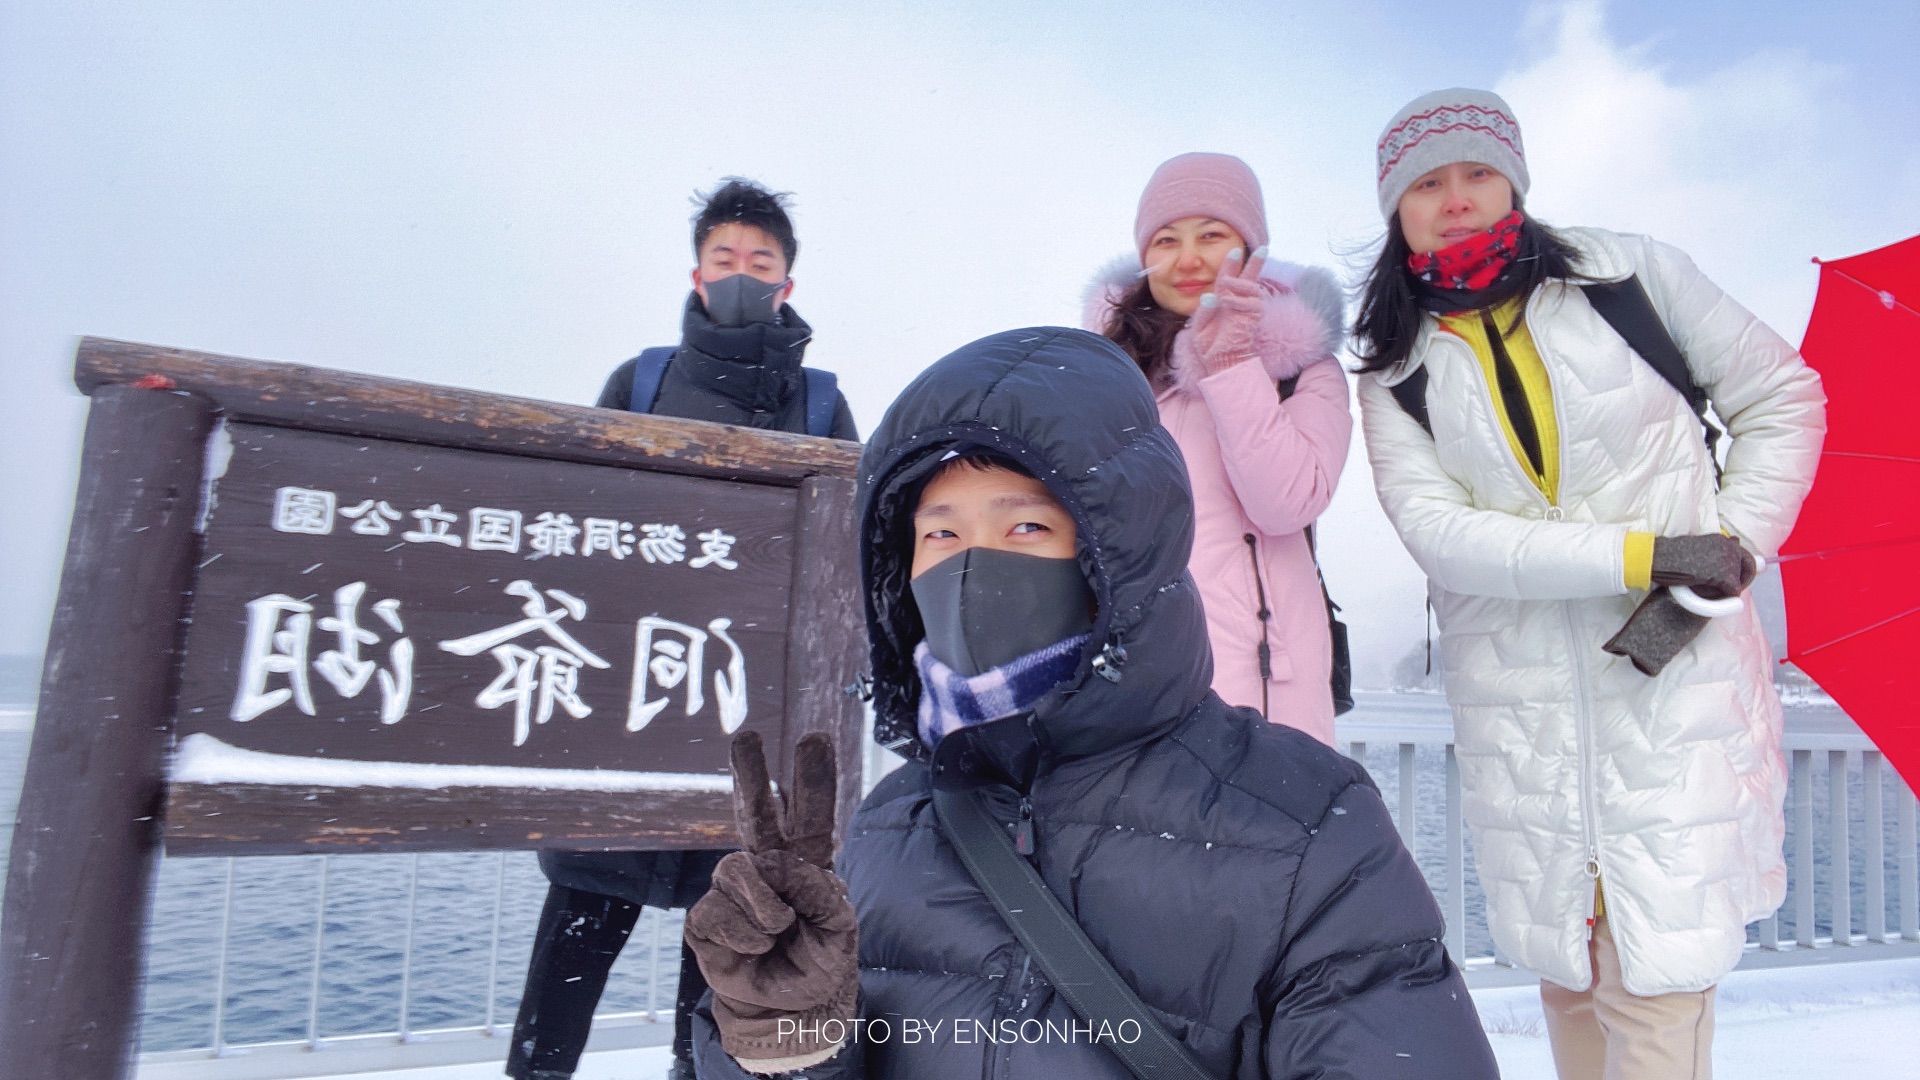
(1445, 127)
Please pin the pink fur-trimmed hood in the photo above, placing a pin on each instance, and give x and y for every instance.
(1303, 322)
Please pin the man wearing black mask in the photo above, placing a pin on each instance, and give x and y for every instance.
(741, 343)
(738, 362)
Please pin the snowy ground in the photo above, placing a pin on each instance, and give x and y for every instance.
(1855, 1021)
(1852, 1020)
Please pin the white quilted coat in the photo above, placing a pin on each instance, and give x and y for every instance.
(1670, 789)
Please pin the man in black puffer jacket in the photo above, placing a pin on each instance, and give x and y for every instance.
(1244, 879)
(738, 362)
(741, 343)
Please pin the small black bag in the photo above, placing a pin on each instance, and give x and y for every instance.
(1337, 630)
(1342, 657)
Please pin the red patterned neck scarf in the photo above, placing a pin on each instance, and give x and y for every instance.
(1473, 263)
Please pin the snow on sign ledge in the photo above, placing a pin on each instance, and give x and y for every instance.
(203, 759)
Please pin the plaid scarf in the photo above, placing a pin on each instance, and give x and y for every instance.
(950, 701)
(1473, 263)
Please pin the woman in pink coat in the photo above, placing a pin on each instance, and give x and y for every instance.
(1239, 350)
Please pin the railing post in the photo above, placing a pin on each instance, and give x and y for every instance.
(319, 940)
(493, 952)
(1409, 795)
(406, 949)
(220, 969)
(1876, 852)
(1840, 861)
(1358, 751)
(653, 968)
(1456, 910)
(1909, 863)
(1803, 848)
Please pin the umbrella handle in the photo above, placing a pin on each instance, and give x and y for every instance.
(1705, 608)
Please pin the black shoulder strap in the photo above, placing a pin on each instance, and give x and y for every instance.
(1626, 307)
(1336, 630)
(1411, 393)
(1096, 993)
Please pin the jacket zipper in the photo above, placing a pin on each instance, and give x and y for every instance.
(1012, 1000)
(1265, 652)
(1583, 721)
(1583, 726)
(1583, 713)
(1023, 829)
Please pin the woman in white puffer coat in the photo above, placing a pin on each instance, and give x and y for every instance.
(1620, 756)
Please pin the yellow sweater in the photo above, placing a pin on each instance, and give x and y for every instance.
(1538, 391)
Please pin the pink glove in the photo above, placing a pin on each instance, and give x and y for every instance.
(1223, 329)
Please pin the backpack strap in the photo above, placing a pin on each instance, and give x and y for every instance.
(1627, 309)
(823, 401)
(1411, 393)
(1075, 965)
(648, 369)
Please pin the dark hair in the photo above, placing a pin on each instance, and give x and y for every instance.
(1390, 309)
(968, 457)
(741, 200)
(1144, 330)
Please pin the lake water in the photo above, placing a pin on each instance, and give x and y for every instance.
(274, 911)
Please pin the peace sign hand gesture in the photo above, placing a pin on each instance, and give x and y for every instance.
(802, 820)
(776, 936)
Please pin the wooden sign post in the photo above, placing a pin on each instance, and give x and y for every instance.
(304, 611)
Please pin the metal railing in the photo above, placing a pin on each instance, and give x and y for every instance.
(1838, 834)
(403, 1043)
(1854, 860)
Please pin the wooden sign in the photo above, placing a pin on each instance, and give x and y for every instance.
(305, 610)
(376, 624)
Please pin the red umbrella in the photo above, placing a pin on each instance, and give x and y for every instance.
(1851, 569)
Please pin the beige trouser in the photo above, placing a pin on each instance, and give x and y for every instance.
(1606, 1033)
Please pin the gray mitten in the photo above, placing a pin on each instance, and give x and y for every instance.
(1713, 565)
(1656, 632)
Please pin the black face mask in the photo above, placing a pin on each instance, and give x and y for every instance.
(983, 608)
(741, 299)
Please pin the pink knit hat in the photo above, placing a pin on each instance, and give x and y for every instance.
(1219, 186)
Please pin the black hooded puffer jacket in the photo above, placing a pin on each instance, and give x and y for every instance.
(1243, 878)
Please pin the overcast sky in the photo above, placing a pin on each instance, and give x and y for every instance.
(496, 195)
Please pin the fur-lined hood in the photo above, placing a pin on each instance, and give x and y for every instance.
(1304, 322)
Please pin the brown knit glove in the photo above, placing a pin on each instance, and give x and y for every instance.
(1656, 632)
(775, 936)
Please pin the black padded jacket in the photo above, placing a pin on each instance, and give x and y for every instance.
(746, 375)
